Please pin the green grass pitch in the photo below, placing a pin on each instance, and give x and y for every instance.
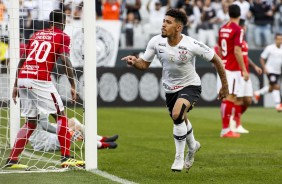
(146, 150)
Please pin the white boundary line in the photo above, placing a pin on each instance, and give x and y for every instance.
(95, 171)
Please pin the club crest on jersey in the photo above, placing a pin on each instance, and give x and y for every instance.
(183, 55)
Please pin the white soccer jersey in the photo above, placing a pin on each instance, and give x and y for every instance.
(273, 56)
(178, 62)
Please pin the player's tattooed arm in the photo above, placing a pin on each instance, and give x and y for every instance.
(68, 69)
(137, 63)
(221, 72)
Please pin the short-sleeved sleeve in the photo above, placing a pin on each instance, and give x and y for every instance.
(265, 53)
(65, 45)
(150, 51)
(202, 50)
(238, 37)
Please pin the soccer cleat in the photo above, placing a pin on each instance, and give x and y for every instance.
(71, 162)
(279, 108)
(111, 139)
(109, 145)
(14, 164)
(189, 160)
(178, 164)
(240, 129)
(256, 97)
(230, 134)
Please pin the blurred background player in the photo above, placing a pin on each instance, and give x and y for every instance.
(44, 137)
(244, 96)
(271, 62)
(37, 92)
(230, 49)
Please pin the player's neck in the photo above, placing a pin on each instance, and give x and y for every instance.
(174, 40)
(236, 21)
(278, 46)
(57, 26)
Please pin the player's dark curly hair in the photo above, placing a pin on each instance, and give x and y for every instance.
(178, 15)
(234, 11)
(57, 16)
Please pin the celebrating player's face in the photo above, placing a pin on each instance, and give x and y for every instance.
(169, 26)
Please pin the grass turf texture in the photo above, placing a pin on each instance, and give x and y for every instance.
(146, 149)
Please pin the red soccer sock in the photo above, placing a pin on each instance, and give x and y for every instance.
(226, 110)
(22, 139)
(237, 114)
(64, 136)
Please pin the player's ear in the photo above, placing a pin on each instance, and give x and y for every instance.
(179, 27)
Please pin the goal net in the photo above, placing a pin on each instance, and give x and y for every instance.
(42, 152)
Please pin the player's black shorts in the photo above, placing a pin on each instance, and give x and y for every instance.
(190, 93)
(273, 78)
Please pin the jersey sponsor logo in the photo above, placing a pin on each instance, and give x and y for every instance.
(29, 72)
(183, 55)
(226, 30)
(171, 87)
(162, 44)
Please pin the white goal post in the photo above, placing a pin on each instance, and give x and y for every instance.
(89, 115)
(90, 76)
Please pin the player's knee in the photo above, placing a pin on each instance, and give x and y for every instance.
(248, 102)
(177, 116)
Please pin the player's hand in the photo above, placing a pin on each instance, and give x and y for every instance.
(15, 94)
(130, 60)
(73, 95)
(258, 70)
(246, 75)
(223, 92)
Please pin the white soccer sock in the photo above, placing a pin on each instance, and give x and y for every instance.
(190, 140)
(263, 90)
(180, 132)
(99, 144)
(276, 96)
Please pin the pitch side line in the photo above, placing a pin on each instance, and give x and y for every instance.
(111, 177)
(96, 171)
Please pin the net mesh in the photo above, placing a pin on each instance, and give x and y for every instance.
(43, 149)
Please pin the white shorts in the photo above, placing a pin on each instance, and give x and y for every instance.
(246, 88)
(233, 79)
(38, 96)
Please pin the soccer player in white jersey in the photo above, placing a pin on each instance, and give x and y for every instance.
(36, 90)
(272, 55)
(44, 137)
(181, 82)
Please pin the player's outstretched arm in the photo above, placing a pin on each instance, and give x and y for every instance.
(68, 69)
(15, 90)
(137, 63)
(262, 62)
(221, 72)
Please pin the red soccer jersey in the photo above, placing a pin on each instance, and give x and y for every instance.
(245, 50)
(230, 35)
(42, 52)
